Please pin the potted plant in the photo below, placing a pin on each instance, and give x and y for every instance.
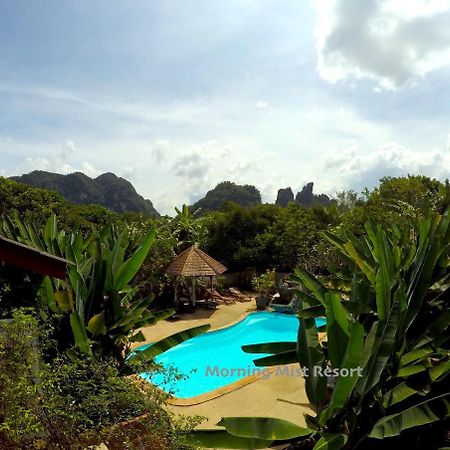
(264, 285)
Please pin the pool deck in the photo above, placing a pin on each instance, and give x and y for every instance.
(280, 396)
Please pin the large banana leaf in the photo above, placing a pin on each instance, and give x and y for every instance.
(166, 343)
(312, 312)
(79, 333)
(401, 392)
(263, 428)
(331, 441)
(312, 284)
(423, 413)
(222, 439)
(129, 268)
(382, 348)
(270, 347)
(345, 383)
(288, 357)
(310, 355)
(361, 261)
(337, 328)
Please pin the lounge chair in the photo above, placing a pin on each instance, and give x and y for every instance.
(207, 303)
(214, 295)
(239, 295)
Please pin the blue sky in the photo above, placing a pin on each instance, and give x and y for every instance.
(179, 95)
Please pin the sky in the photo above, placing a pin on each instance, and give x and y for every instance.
(179, 95)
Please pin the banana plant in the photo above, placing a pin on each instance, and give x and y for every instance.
(387, 344)
(104, 309)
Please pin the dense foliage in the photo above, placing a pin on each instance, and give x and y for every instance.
(376, 265)
(97, 297)
(57, 402)
(387, 347)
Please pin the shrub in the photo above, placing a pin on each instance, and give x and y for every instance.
(74, 401)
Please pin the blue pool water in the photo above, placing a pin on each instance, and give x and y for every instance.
(198, 357)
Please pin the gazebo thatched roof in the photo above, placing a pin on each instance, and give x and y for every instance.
(194, 262)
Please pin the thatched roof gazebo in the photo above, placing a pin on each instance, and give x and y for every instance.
(193, 262)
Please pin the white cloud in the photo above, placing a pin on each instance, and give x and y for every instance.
(204, 166)
(160, 149)
(89, 170)
(67, 149)
(354, 168)
(55, 165)
(261, 104)
(390, 41)
(36, 164)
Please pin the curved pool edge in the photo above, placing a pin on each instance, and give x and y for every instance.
(202, 398)
(197, 400)
(231, 387)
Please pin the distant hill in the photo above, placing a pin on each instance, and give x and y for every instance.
(304, 198)
(244, 195)
(107, 190)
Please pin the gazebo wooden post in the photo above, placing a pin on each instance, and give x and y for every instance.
(193, 291)
(175, 292)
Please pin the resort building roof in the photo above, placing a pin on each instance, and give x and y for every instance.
(31, 259)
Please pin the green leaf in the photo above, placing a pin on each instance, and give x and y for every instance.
(50, 228)
(361, 261)
(164, 344)
(96, 324)
(310, 355)
(381, 349)
(270, 347)
(337, 328)
(278, 359)
(439, 370)
(383, 278)
(399, 393)
(79, 334)
(345, 384)
(64, 299)
(129, 268)
(48, 293)
(312, 312)
(21, 227)
(355, 308)
(138, 337)
(413, 369)
(312, 284)
(115, 260)
(263, 428)
(414, 355)
(221, 439)
(429, 411)
(331, 441)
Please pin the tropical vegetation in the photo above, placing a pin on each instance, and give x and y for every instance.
(387, 311)
(375, 264)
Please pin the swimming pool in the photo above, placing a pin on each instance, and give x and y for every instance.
(207, 359)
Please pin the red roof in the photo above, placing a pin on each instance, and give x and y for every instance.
(31, 259)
